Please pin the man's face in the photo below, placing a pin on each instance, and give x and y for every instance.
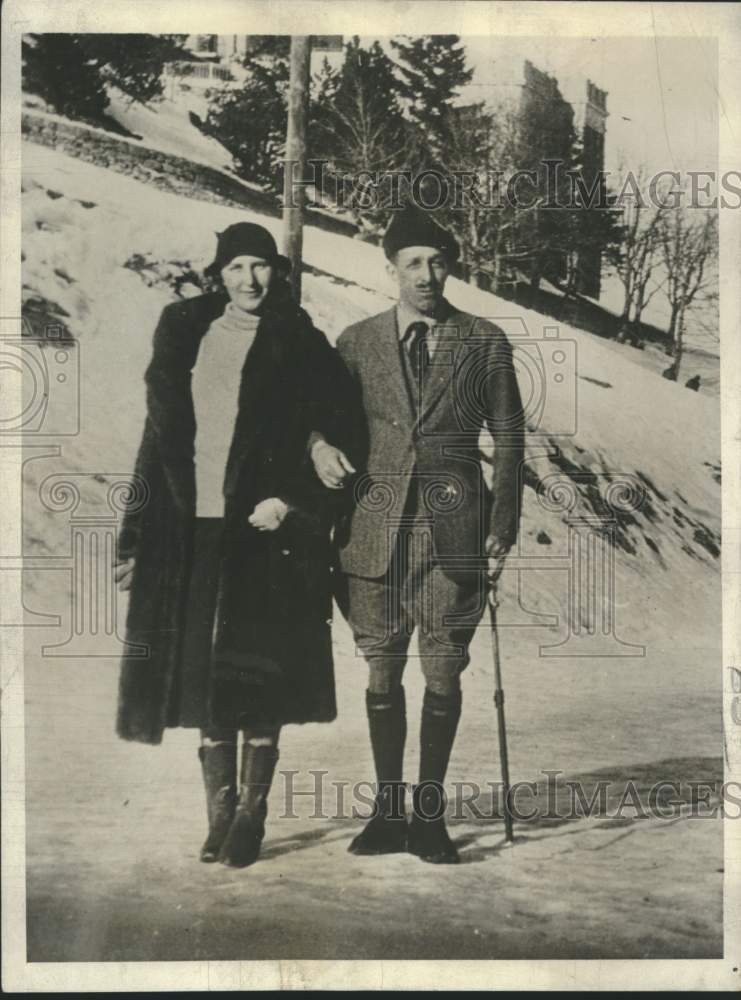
(421, 273)
(247, 279)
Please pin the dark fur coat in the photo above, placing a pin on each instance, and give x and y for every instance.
(271, 655)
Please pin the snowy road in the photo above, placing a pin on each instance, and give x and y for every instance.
(114, 829)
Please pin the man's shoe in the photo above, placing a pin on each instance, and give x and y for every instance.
(386, 830)
(429, 841)
(428, 836)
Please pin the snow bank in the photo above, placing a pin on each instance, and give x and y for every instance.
(166, 125)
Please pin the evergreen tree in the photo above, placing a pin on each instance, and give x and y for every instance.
(323, 90)
(55, 68)
(71, 72)
(269, 47)
(133, 63)
(358, 126)
(432, 71)
(323, 87)
(251, 121)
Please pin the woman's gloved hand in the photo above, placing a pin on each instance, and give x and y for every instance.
(269, 514)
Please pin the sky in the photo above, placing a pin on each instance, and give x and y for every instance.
(662, 92)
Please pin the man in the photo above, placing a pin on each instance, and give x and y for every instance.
(422, 522)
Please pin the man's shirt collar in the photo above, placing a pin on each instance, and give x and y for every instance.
(406, 316)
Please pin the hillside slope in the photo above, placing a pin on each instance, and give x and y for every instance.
(109, 252)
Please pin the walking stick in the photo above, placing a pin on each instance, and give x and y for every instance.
(499, 702)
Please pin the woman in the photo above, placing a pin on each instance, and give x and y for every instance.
(228, 561)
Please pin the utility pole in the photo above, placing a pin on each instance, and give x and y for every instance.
(294, 195)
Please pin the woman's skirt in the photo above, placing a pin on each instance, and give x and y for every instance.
(191, 690)
(268, 660)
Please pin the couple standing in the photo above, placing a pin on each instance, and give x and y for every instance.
(264, 448)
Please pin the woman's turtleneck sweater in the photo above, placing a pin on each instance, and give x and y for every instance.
(215, 387)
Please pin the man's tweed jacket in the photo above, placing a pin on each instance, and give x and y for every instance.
(434, 447)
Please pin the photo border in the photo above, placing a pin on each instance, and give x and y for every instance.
(373, 17)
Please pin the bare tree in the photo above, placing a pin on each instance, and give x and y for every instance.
(503, 153)
(636, 255)
(358, 126)
(645, 261)
(689, 244)
(482, 149)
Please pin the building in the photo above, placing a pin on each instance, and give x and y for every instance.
(586, 121)
(551, 124)
(560, 109)
(593, 125)
(229, 50)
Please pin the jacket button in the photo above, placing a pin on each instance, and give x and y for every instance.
(285, 552)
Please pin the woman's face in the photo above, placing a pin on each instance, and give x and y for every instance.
(247, 279)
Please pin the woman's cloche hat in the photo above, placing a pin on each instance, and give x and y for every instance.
(245, 238)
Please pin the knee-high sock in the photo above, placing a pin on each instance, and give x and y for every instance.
(387, 723)
(440, 715)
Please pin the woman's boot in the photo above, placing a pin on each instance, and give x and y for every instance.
(242, 844)
(219, 764)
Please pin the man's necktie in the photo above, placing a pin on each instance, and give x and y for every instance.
(419, 352)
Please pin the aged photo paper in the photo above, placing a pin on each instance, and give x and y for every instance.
(370, 397)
